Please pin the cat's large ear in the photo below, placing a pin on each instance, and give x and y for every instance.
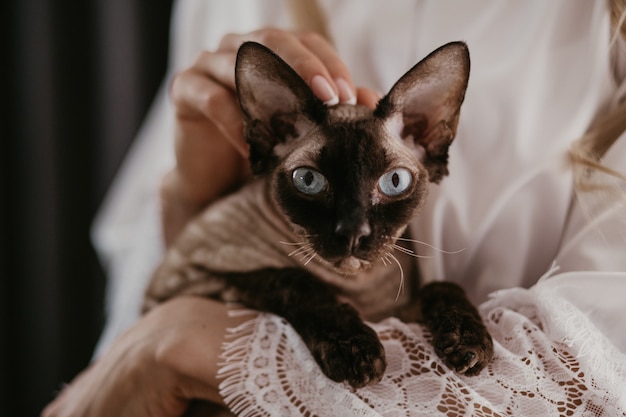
(276, 102)
(423, 107)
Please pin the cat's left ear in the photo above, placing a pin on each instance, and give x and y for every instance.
(276, 103)
(423, 107)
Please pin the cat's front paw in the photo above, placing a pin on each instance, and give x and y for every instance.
(462, 342)
(354, 355)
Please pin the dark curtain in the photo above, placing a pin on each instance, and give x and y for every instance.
(78, 77)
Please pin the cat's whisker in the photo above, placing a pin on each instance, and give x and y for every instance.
(409, 251)
(402, 249)
(419, 242)
(311, 258)
(401, 286)
(300, 251)
(387, 260)
(282, 242)
(304, 240)
(305, 255)
(305, 252)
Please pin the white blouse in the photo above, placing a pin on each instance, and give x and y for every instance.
(541, 71)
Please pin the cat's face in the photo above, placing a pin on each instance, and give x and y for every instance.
(351, 187)
(349, 178)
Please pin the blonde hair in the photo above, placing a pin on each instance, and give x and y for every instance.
(618, 15)
(596, 186)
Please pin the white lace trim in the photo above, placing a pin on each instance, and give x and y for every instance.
(565, 368)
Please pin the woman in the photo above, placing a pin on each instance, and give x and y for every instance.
(544, 75)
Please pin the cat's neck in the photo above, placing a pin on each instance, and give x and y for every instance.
(375, 291)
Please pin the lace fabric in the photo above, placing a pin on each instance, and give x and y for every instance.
(549, 360)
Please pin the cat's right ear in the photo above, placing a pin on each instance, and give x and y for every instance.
(277, 104)
(423, 107)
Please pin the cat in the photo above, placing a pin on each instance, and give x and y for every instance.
(312, 236)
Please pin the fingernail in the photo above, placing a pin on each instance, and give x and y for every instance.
(346, 95)
(322, 89)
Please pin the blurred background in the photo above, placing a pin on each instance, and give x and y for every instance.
(77, 79)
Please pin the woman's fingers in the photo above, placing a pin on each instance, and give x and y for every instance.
(218, 65)
(335, 66)
(367, 97)
(310, 55)
(197, 97)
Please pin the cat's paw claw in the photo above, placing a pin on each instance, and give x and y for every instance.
(357, 358)
(463, 343)
(469, 364)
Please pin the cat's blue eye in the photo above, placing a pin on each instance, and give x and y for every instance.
(308, 181)
(395, 182)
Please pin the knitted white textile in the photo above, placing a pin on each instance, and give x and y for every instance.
(550, 359)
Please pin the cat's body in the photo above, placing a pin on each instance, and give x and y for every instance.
(246, 232)
(313, 238)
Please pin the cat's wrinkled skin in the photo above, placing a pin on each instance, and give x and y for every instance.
(312, 237)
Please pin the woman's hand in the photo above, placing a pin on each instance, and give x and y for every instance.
(154, 369)
(211, 154)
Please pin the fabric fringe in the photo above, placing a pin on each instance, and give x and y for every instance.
(564, 322)
(233, 366)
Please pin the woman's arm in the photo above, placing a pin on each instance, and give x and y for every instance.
(155, 368)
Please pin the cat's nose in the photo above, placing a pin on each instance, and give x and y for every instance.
(353, 234)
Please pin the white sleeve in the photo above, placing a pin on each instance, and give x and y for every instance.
(127, 229)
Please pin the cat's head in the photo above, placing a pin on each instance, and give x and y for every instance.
(350, 178)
